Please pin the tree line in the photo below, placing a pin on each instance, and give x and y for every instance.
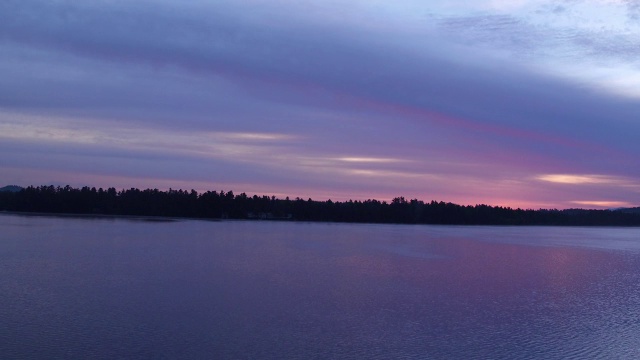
(227, 205)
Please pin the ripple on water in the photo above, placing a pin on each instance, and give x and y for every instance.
(90, 288)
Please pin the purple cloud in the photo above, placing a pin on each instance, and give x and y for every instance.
(194, 92)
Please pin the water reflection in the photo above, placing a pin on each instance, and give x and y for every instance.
(109, 288)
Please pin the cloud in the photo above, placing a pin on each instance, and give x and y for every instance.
(530, 37)
(315, 67)
(602, 203)
(589, 43)
(261, 90)
(369, 160)
(633, 8)
(582, 179)
(232, 145)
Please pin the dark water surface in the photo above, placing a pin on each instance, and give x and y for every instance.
(116, 289)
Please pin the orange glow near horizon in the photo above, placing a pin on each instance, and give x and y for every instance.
(511, 198)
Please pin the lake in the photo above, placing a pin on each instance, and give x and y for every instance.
(104, 288)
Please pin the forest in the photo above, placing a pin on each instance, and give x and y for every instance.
(227, 205)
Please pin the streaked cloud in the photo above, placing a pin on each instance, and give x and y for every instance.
(253, 136)
(520, 103)
(602, 204)
(353, 159)
(230, 145)
(581, 179)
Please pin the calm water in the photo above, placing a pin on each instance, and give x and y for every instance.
(109, 289)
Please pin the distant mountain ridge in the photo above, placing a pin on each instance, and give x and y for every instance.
(11, 188)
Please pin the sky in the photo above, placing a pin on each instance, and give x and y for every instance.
(524, 103)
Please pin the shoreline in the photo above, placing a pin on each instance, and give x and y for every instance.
(148, 218)
(166, 219)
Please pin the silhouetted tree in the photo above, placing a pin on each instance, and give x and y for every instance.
(212, 204)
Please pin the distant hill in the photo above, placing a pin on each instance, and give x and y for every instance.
(11, 188)
(635, 210)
